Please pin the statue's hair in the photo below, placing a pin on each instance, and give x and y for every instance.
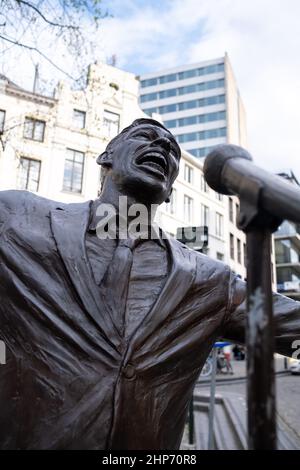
(115, 141)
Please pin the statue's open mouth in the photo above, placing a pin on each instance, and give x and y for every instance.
(153, 162)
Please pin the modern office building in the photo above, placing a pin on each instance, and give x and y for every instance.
(287, 253)
(200, 103)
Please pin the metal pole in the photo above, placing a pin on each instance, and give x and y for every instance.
(260, 341)
(211, 414)
(191, 420)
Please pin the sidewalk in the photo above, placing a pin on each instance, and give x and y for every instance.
(239, 369)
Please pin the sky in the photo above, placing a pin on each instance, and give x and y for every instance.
(261, 37)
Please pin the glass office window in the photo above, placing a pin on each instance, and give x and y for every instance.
(150, 111)
(171, 123)
(148, 82)
(148, 97)
(167, 93)
(168, 78)
(170, 108)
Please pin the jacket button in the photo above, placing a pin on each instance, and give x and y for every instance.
(129, 371)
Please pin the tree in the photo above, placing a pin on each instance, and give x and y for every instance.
(57, 33)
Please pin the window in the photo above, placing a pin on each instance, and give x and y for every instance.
(171, 123)
(230, 209)
(219, 197)
(73, 173)
(187, 74)
(29, 174)
(2, 120)
(237, 211)
(203, 184)
(219, 225)
(171, 206)
(198, 103)
(272, 273)
(220, 256)
(172, 77)
(202, 135)
(188, 173)
(286, 252)
(79, 119)
(231, 239)
(239, 251)
(182, 90)
(111, 124)
(198, 119)
(202, 152)
(204, 215)
(150, 111)
(34, 129)
(188, 208)
(167, 93)
(245, 254)
(168, 78)
(169, 108)
(148, 97)
(148, 82)
(188, 121)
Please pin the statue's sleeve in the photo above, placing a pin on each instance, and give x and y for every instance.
(286, 318)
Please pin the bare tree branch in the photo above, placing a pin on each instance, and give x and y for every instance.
(35, 49)
(51, 23)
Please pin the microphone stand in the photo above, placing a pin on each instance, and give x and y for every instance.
(258, 226)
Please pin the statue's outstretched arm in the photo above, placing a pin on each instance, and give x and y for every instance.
(286, 318)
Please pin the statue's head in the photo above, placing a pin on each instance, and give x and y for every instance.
(142, 161)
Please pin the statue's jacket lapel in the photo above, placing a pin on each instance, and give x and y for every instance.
(69, 228)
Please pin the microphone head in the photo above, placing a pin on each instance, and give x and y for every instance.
(215, 162)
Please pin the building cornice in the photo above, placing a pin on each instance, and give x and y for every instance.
(27, 95)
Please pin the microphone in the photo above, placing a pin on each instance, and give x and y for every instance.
(228, 169)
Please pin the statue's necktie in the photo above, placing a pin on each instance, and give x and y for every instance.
(114, 286)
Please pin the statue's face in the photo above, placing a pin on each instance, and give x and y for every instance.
(145, 163)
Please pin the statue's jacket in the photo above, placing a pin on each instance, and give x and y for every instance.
(70, 380)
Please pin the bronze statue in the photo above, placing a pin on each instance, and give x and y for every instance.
(105, 338)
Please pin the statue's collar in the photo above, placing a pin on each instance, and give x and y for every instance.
(155, 233)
